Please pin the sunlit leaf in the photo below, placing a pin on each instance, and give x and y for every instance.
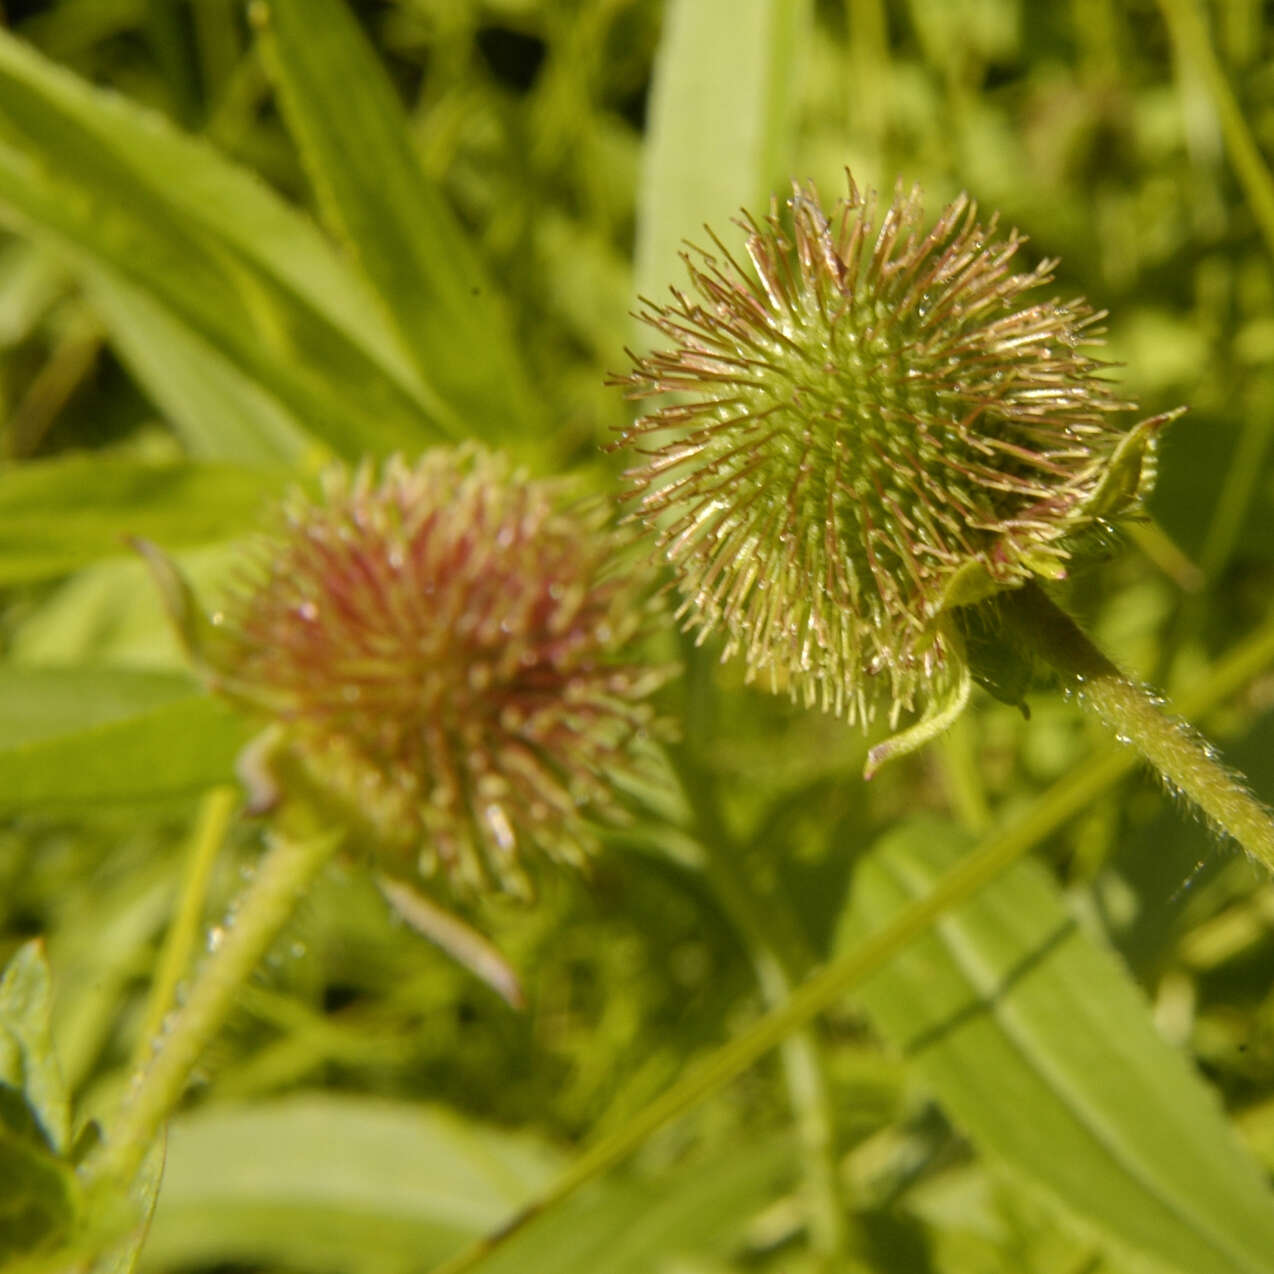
(57, 515)
(131, 202)
(332, 1182)
(1043, 1050)
(27, 1061)
(722, 122)
(78, 737)
(374, 194)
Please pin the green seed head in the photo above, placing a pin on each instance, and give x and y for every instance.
(445, 645)
(871, 427)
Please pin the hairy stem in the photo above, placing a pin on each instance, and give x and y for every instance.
(286, 871)
(209, 834)
(1184, 760)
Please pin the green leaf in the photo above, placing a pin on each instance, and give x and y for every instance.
(90, 735)
(1130, 470)
(30, 282)
(722, 122)
(37, 704)
(39, 1194)
(375, 197)
(129, 202)
(634, 1224)
(339, 1183)
(217, 409)
(57, 515)
(42, 1207)
(330, 1182)
(27, 1061)
(1037, 1041)
(110, 613)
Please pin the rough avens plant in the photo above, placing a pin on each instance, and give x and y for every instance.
(441, 654)
(880, 440)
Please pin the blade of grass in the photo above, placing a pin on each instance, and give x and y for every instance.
(375, 197)
(60, 514)
(721, 121)
(1193, 45)
(1038, 1042)
(1193, 48)
(217, 409)
(73, 737)
(115, 189)
(319, 1180)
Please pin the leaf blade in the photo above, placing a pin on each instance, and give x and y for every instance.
(74, 737)
(716, 141)
(113, 188)
(322, 1170)
(1037, 1041)
(217, 409)
(373, 193)
(60, 514)
(26, 1005)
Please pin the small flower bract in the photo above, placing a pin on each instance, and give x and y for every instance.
(445, 644)
(871, 428)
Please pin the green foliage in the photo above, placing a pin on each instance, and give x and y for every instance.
(241, 240)
(60, 514)
(1039, 1044)
(332, 1182)
(373, 194)
(37, 1183)
(82, 735)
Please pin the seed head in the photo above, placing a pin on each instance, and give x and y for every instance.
(445, 644)
(872, 427)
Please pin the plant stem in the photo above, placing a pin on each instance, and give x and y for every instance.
(962, 776)
(777, 971)
(1185, 760)
(1070, 795)
(286, 871)
(212, 821)
(803, 1067)
(1192, 45)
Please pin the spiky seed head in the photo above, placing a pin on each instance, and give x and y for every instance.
(446, 643)
(871, 427)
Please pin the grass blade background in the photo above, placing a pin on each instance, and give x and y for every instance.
(219, 410)
(71, 737)
(59, 514)
(320, 1180)
(1042, 1049)
(722, 123)
(374, 195)
(116, 189)
(325, 1176)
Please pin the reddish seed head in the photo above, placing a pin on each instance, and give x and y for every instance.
(446, 643)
